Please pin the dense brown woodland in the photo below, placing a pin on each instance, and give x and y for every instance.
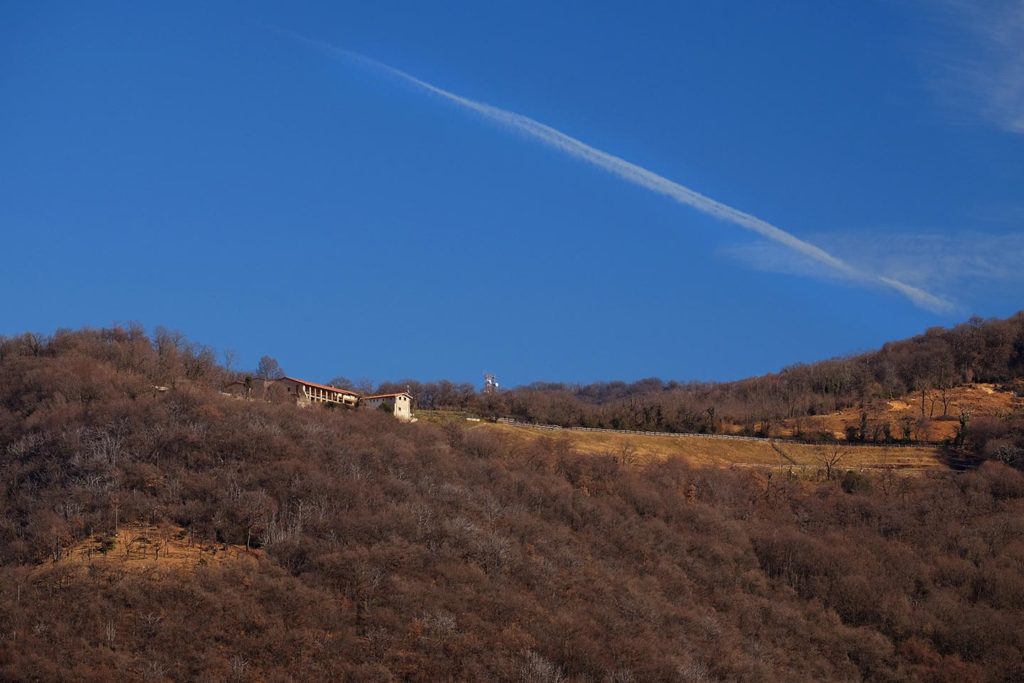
(388, 551)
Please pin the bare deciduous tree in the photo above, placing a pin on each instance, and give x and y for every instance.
(830, 459)
(269, 368)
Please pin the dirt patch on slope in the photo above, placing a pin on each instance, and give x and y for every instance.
(154, 547)
(933, 418)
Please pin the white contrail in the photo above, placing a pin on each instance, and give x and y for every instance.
(652, 181)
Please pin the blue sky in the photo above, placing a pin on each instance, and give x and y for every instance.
(217, 171)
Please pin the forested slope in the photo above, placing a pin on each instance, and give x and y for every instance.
(384, 551)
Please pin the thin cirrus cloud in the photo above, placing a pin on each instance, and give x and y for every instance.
(642, 177)
(974, 265)
(977, 55)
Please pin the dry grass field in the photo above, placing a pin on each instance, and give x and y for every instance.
(731, 452)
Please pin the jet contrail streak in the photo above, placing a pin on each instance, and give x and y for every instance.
(651, 181)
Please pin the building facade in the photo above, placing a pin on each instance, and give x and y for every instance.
(307, 393)
(399, 404)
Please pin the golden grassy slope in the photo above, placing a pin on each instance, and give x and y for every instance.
(725, 452)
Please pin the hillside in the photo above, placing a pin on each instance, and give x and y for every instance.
(154, 529)
(948, 369)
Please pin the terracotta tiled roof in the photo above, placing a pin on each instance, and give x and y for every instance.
(400, 393)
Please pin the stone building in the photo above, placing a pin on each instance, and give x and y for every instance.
(307, 393)
(399, 404)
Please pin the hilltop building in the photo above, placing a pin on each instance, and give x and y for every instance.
(307, 393)
(400, 404)
(304, 393)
